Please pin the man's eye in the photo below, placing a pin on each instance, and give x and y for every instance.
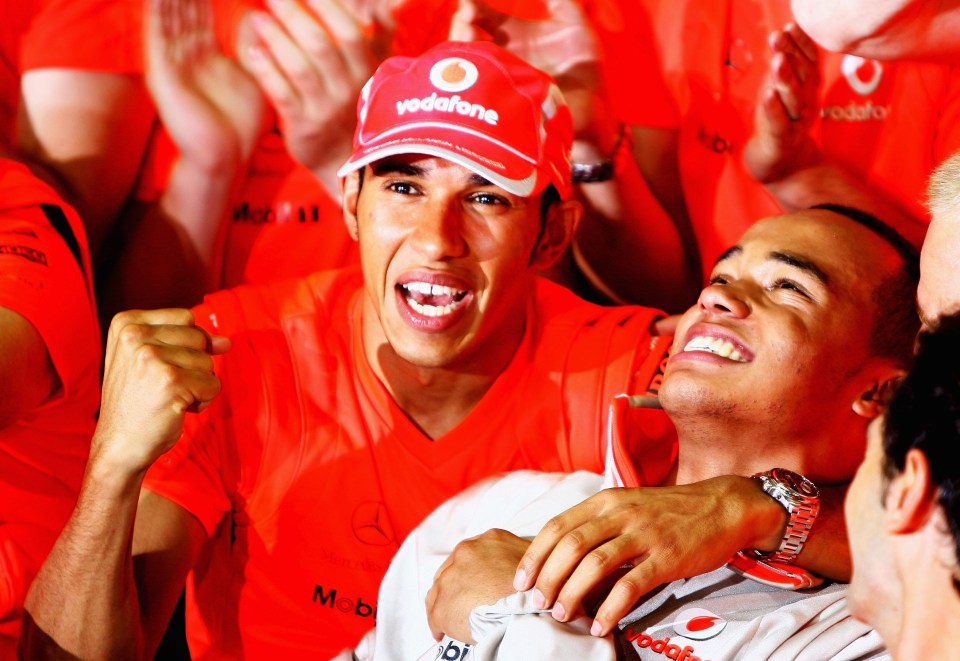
(791, 286)
(487, 198)
(402, 187)
(719, 280)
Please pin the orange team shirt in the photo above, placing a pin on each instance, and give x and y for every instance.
(307, 476)
(97, 35)
(283, 223)
(888, 123)
(43, 454)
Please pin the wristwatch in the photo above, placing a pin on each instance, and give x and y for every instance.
(588, 173)
(603, 170)
(801, 498)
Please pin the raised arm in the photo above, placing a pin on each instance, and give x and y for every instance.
(213, 112)
(113, 577)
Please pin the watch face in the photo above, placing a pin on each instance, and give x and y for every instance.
(797, 482)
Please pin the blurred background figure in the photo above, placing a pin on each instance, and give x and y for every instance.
(772, 122)
(73, 104)
(49, 379)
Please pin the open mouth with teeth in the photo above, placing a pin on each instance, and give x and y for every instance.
(431, 300)
(716, 346)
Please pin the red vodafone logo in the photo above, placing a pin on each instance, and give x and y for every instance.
(698, 624)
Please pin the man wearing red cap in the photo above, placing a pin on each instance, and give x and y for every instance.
(353, 403)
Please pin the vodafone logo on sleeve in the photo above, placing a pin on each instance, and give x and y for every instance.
(698, 624)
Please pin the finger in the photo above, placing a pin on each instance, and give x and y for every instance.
(596, 569)
(774, 114)
(462, 23)
(162, 316)
(274, 60)
(306, 51)
(583, 547)
(546, 541)
(178, 346)
(159, 30)
(345, 28)
(625, 594)
(666, 325)
(788, 87)
(803, 41)
(807, 71)
(172, 328)
(157, 376)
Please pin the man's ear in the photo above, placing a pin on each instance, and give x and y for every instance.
(871, 403)
(350, 195)
(559, 226)
(911, 498)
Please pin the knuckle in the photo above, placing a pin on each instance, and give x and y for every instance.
(598, 560)
(132, 334)
(573, 541)
(627, 590)
(124, 318)
(554, 527)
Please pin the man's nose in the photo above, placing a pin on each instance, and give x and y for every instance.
(440, 230)
(725, 300)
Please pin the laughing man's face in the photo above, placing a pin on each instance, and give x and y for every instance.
(448, 260)
(782, 332)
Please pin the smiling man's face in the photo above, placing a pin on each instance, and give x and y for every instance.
(449, 261)
(782, 331)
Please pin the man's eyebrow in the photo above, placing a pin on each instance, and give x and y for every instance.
(801, 263)
(387, 166)
(477, 180)
(728, 253)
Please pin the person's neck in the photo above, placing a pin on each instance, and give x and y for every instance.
(930, 620)
(923, 624)
(718, 445)
(437, 399)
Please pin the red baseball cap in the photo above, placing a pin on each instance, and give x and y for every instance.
(472, 103)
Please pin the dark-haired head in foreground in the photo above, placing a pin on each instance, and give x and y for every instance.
(903, 509)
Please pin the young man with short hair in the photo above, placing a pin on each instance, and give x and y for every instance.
(903, 508)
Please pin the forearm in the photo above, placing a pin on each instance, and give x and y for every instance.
(631, 243)
(826, 182)
(84, 599)
(87, 132)
(171, 258)
(194, 202)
